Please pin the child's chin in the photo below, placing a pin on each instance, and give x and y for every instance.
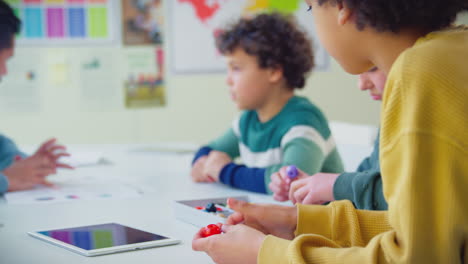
(241, 107)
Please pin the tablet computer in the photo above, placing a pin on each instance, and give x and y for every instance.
(102, 239)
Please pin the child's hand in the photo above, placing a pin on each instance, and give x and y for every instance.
(197, 170)
(49, 153)
(316, 189)
(237, 244)
(26, 173)
(215, 163)
(277, 220)
(280, 183)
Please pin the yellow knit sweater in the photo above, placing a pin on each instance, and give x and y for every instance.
(424, 162)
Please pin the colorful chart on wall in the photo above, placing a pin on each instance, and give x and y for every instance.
(195, 22)
(65, 21)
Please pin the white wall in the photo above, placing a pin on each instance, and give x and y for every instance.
(198, 109)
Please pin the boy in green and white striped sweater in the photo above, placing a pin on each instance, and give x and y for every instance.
(276, 127)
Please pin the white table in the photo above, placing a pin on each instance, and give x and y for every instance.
(165, 177)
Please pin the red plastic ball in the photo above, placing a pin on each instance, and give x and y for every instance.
(210, 230)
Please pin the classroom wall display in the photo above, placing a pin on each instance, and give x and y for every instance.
(20, 89)
(144, 84)
(194, 24)
(97, 71)
(142, 22)
(65, 21)
(142, 25)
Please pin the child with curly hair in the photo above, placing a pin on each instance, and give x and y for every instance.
(268, 58)
(423, 147)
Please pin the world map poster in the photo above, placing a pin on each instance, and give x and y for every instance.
(194, 24)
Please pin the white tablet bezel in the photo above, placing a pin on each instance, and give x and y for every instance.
(104, 251)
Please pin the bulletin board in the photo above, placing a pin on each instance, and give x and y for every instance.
(57, 22)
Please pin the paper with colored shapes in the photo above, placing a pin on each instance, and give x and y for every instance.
(97, 67)
(20, 89)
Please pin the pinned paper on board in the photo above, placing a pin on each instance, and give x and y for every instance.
(20, 89)
(97, 80)
(58, 68)
(144, 85)
(58, 73)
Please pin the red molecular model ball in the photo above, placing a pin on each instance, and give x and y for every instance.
(210, 230)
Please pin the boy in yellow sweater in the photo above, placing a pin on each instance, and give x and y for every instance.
(423, 147)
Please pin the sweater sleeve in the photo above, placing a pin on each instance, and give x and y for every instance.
(365, 164)
(8, 151)
(324, 233)
(242, 177)
(301, 152)
(364, 189)
(203, 151)
(227, 143)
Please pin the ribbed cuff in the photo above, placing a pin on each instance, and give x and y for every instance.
(311, 219)
(225, 175)
(203, 151)
(273, 250)
(342, 188)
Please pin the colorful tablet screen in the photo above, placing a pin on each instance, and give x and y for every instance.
(101, 236)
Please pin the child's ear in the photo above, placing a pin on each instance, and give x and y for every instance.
(344, 14)
(276, 74)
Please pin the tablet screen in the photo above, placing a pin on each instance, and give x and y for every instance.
(101, 236)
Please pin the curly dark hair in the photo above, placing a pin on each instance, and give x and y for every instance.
(9, 25)
(395, 15)
(276, 40)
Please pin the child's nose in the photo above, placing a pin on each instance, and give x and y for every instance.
(363, 84)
